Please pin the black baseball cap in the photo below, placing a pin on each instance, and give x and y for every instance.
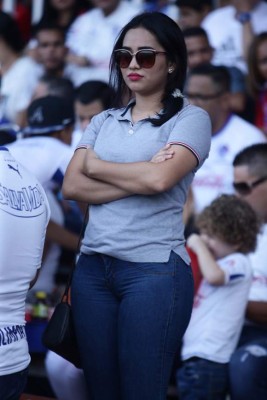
(49, 114)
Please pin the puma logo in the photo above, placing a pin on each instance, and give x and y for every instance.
(14, 169)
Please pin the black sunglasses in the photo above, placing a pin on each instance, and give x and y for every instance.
(145, 58)
(245, 188)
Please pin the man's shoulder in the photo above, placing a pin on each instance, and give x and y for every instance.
(244, 128)
(218, 15)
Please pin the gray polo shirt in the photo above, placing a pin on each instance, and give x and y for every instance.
(143, 228)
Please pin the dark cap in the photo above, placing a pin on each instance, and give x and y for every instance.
(49, 114)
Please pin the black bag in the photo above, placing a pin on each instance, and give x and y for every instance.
(59, 334)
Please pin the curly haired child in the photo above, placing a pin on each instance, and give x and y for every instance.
(228, 232)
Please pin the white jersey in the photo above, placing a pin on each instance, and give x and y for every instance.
(45, 156)
(218, 312)
(17, 87)
(24, 215)
(216, 174)
(225, 33)
(100, 32)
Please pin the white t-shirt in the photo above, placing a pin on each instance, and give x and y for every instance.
(218, 312)
(93, 35)
(24, 215)
(45, 156)
(17, 87)
(225, 33)
(216, 174)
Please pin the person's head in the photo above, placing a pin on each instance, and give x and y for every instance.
(208, 86)
(228, 224)
(159, 64)
(92, 97)
(199, 50)
(250, 177)
(257, 64)
(54, 86)
(51, 116)
(10, 36)
(192, 12)
(51, 50)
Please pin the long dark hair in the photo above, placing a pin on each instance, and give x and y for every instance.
(170, 36)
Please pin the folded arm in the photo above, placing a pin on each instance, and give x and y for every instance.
(96, 181)
(146, 177)
(77, 186)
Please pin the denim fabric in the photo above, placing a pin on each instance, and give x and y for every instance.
(200, 379)
(130, 318)
(12, 386)
(248, 370)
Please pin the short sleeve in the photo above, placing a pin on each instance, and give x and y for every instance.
(236, 268)
(193, 130)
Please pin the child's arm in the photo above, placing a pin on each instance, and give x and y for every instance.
(207, 264)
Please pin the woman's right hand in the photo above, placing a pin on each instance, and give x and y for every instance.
(163, 154)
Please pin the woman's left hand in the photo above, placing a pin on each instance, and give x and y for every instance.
(163, 154)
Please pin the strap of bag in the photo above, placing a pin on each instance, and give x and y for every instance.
(66, 294)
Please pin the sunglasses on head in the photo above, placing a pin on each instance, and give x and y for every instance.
(145, 58)
(245, 188)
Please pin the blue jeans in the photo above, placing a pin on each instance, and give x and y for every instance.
(130, 319)
(200, 379)
(248, 366)
(12, 385)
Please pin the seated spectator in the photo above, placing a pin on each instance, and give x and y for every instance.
(257, 79)
(99, 27)
(51, 53)
(200, 52)
(91, 98)
(248, 364)
(222, 249)
(192, 12)
(231, 30)
(16, 89)
(208, 87)
(22, 235)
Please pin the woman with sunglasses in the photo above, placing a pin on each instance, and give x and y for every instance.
(132, 289)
